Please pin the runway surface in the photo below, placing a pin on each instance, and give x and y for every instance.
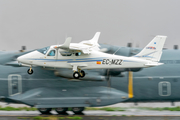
(97, 113)
(100, 118)
(131, 113)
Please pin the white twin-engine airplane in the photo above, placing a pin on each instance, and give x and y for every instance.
(87, 55)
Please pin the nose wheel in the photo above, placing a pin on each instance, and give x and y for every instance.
(78, 74)
(30, 71)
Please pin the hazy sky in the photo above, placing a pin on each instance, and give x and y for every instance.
(40, 23)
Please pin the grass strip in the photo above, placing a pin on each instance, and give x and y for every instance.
(8, 108)
(162, 109)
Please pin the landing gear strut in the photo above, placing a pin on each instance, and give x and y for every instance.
(30, 71)
(78, 74)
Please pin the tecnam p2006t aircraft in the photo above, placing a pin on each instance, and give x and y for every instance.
(87, 55)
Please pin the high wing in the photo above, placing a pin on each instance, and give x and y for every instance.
(85, 46)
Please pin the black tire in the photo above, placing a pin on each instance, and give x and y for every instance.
(82, 73)
(61, 110)
(76, 75)
(30, 73)
(77, 110)
(44, 110)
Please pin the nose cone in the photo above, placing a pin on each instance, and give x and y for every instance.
(22, 59)
(30, 58)
(26, 58)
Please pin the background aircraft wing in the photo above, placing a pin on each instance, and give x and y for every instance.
(9, 58)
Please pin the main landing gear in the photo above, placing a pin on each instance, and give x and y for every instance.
(75, 110)
(45, 110)
(30, 71)
(78, 74)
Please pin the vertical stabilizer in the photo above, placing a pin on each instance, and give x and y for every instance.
(96, 37)
(153, 50)
(66, 43)
(93, 42)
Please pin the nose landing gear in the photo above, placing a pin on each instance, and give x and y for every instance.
(30, 71)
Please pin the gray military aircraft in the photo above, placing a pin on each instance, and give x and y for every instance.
(47, 90)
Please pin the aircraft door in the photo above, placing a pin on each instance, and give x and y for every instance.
(51, 54)
(51, 58)
(14, 84)
(164, 88)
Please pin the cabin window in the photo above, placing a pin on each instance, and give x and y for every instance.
(64, 53)
(43, 50)
(52, 53)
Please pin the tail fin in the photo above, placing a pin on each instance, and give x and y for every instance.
(93, 42)
(66, 44)
(96, 37)
(153, 50)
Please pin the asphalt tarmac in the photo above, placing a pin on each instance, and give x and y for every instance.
(132, 113)
(97, 113)
(96, 118)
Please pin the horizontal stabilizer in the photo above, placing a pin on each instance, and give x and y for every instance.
(153, 64)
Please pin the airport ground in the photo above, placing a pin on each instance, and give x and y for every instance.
(123, 105)
(131, 112)
(94, 118)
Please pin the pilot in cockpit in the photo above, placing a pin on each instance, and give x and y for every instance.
(51, 53)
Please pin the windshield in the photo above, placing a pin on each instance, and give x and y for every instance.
(44, 50)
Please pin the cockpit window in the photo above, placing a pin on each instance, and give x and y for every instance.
(64, 53)
(52, 53)
(44, 50)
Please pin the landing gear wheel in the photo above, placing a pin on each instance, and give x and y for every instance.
(82, 73)
(30, 71)
(77, 110)
(44, 110)
(61, 110)
(76, 75)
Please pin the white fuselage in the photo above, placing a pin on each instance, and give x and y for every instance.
(94, 60)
